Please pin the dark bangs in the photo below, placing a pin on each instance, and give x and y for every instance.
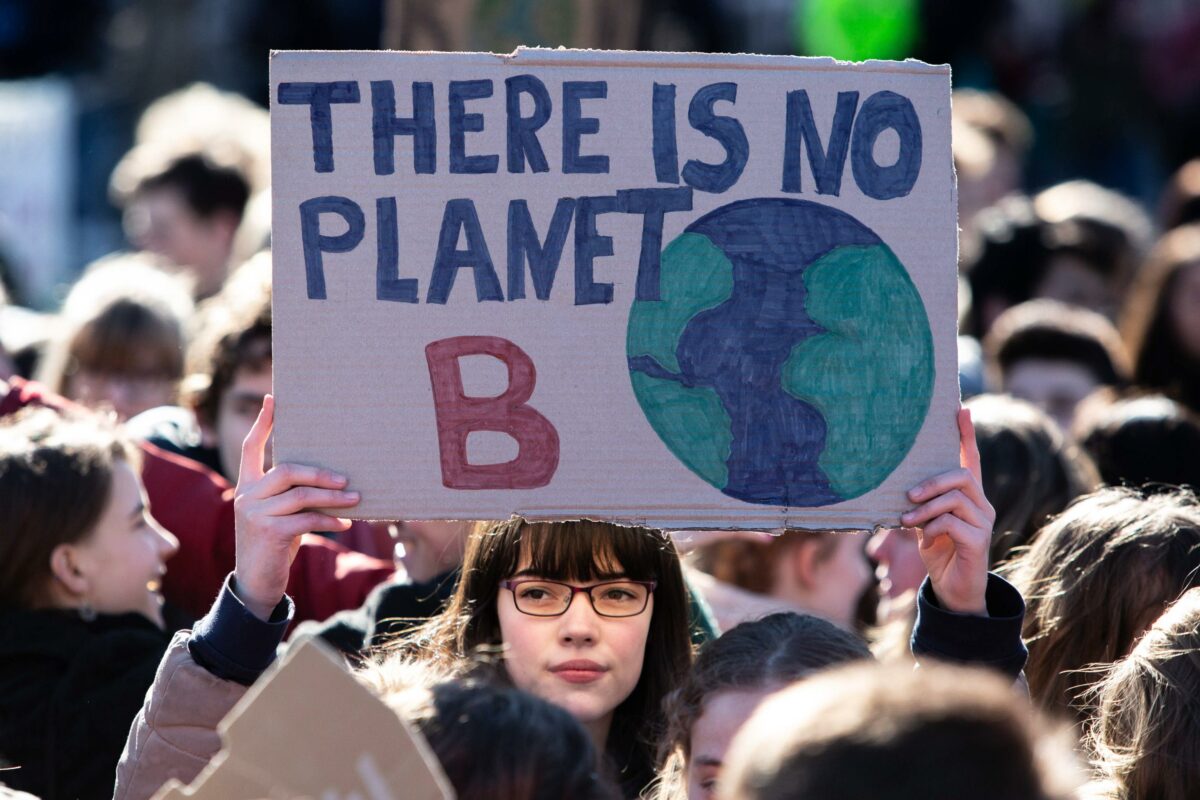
(582, 551)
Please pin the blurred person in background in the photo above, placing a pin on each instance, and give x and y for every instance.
(824, 573)
(185, 208)
(1031, 469)
(1161, 320)
(1142, 440)
(866, 731)
(1054, 355)
(121, 337)
(990, 140)
(1094, 579)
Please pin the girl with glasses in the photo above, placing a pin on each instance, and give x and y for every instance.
(588, 615)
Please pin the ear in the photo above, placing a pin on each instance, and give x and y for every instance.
(65, 569)
(804, 562)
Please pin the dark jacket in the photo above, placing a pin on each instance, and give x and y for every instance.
(69, 691)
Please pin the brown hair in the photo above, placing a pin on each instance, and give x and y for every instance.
(1052, 330)
(124, 316)
(1160, 360)
(56, 476)
(866, 731)
(1095, 578)
(469, 626)
(1031, 471)
(775, 650)
(1146, 733)
(234, 334)
(750, 565)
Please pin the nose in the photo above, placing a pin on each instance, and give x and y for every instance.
(879, 545)
(168, 544)
(579, 624)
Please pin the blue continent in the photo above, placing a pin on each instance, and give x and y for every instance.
(739, 347)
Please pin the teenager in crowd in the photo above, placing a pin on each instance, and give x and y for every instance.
(1031, 470)
(81, 566)
(819, 572)
(185, 207)
(1097, 577)
(863, 732)
(1146, 734)
(1161, 321)
(1054, 355)
(1142, 440)
(121, 337)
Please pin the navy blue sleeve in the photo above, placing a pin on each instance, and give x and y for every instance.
(232, 643)
(992, 641)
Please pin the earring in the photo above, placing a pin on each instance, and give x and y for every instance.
(86, 612)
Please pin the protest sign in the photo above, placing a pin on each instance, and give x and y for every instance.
(309, 729)
(688, 291)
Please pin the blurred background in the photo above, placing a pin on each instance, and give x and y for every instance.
(1111, 88)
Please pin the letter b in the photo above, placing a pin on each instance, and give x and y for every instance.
(458, 415)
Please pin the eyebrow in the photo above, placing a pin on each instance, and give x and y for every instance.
(709, 761)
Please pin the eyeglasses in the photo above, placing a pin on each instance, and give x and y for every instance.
(541, 598)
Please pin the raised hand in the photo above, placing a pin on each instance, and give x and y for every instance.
(954, 521)
(272, 510)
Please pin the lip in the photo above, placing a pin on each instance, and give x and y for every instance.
(579, 671)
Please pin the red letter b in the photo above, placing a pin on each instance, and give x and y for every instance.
(458, 415)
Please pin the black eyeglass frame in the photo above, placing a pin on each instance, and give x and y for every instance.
(512, 584)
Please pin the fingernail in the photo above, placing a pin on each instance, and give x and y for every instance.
(906, 518)
(914, 493)
(351, 495)
(341, 479)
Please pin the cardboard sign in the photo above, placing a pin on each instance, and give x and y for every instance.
(687, 291)
(309, 729)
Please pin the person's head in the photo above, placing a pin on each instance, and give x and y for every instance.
(730, 677)
(493, 742)
(1146, 733)
(607, 656)
(1095, 578)
(1031, 471)
(74, 530)
(1143, 440)
(121, 337)
(990, 139)
(1004, 260)
(186, 208)
(231, 355)
(1161, 320)
(866, 731)
(1097, 237)
(899, 568)
(1054, 355)
(822, 572)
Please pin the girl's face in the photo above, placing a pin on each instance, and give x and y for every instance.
(580, 661)
(123, 559)
(723, 716)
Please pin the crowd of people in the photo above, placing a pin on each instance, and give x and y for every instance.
(1030, 632)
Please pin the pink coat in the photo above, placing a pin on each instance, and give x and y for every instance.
(175, 733)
